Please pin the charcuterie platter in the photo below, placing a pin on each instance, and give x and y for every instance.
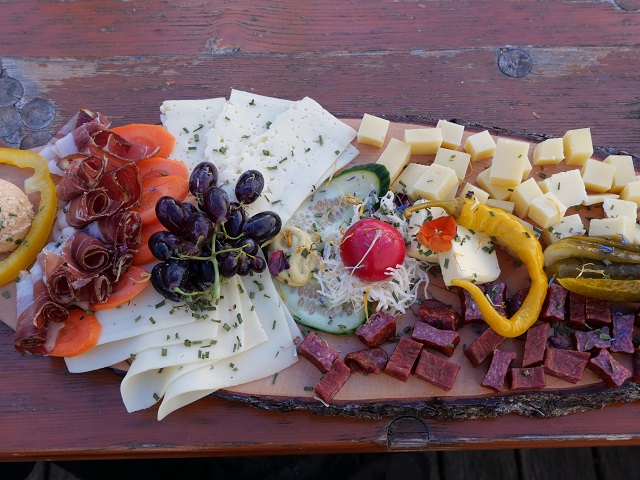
(469, 391)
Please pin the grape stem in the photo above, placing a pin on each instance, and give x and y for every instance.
(216, 273)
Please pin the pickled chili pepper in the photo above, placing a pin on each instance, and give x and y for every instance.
(510, 231)
(41, 182)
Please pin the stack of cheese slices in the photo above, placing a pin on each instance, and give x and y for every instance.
(178, 355)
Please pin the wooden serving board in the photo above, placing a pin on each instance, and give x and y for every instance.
(380, 395)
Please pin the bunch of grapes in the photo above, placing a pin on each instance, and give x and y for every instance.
(215, 240)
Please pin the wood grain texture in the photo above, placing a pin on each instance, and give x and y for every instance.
(553, 464)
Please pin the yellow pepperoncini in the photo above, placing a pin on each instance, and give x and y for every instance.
(35, 240)
(508, 229)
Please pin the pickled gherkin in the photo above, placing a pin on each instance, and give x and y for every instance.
(593, 248)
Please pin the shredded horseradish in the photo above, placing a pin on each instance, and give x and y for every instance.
(338, 284)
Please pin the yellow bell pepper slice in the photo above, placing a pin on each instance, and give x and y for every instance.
(26, 253)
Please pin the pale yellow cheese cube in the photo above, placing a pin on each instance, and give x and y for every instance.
(499, 192)
(621, 228)
(631, 192)
(523, 195)
(625, 172)
(508, 165)
(578, 146)
(567, 227)
(435, 183)
(423, 141)
(395, 157)
(505, 205)
(549, 152)
(567, 186)
(459, 161)
(480, 146)
(597, 198)
(614, 208)
(407, 178)
(597, 175)
(451, 134)
(546, 210)
(373, 130)
(537, 232)
(472, 192)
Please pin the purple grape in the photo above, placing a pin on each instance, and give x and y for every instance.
(248, 245)
(172, 215)
(216, 205)
(228, 266)
(249, 186)
(163, 244)
(257, 264)
(205, 175)
(233, 226)
(262, 226)
(199, 228)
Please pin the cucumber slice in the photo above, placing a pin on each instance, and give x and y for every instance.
(326, 209)
(308, 308)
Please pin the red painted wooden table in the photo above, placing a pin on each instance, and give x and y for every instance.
(528, 66)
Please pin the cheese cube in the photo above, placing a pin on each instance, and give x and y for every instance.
(598, 198)
(567, 186)
(499, 192)
(451, 134)
(472, 257)
(567, 227)
(614, 208)
(549, 152)
(625, 172)
(373, 130)
(435, 183)
(470, 191)
(621, 228)
(414, 248)
(423, 141)
(505, 205)
(508, 164)
(631, 192)
(395, 157)
(537, 232)
(459, 161)
(597, 175)
(407, 178)
(480, 146)
(523, 195)
(546, 210)
(578, 147)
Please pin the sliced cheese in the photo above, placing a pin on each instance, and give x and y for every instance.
(451, 134)
(407, 179)
(436, 183)
(458, 161)
(568, 186)
(480, 146)
(395, 158)
(547, 210)
(625, 172)
(567, 227)
(423, 141)
(476, 193)
(499, 192)
(549, 152)
(620, 228)
(597, 175)
(523, 195)
(373, 130)
(614, 208)
(509, 162)
(578, 146)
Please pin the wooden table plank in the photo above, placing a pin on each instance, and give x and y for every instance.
(480, 465)
(557, 464)
(45, 28)
(616, 463)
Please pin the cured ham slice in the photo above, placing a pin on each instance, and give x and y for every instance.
(57, 278)
(79, 139)
(82, 174)
(28, 338)
(123, 185)
(90, 206)
(96, 291)
(87, 253)
(45, 309)
(123, 228)
(119, 150)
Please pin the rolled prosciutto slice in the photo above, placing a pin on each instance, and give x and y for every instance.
(57, 278)
(45, 309)
(82, 174)
(87, 253)
(79, 139)
(118, 149)
(28, 338)
(123, 185)
(97, 290)
(121, 259)
(90, 206)
(123, 228)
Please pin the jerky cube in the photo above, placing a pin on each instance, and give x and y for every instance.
(402, 359)
(514, 303)
(636, 366)
(369, 360)
(622, 340)
(332, 382)
(612, 372)
(470, 310)
(483, 347)
(444, 341)
(553, 308)
(496, 291)
(440, 315)
(378, 329)
(495, 377)
(317, 352)
(592, 340)
(568, 365)
(576, 311)
(527, 378)
(436, 370)
(535, 345)
(597, 312)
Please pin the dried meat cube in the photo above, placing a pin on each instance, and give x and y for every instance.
(636, 366)
(436, 370)
(592, 340)
(369, 360)
(576, 311)
(535, 345)
(470, 310)
(497, 373)
(612, 372)
(403, 358)
(568, 365)
(528, 378)
(378, 329)
(317, 352)
(483, 347)
(553, 308)
(514, 303)
(444, 341)
(333, 381)
(597, 312)
(496, 292)
(440, 315)
(622, 340)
